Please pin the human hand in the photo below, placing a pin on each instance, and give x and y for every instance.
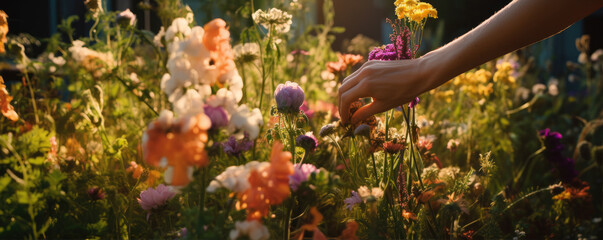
(388, 83)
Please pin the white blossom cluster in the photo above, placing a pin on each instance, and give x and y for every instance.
(253, 229)
(81, 54)
(194, 69)
(280, 20)
(235, 178)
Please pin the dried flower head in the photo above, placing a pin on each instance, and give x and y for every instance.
(276, 18)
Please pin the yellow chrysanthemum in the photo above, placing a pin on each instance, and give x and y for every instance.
(401, 11)
(424, 6)
(398, 2)
(503, 73)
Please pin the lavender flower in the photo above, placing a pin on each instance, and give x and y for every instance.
(301, 174)
(217, 115)
(352, 201)
(413, 103)
(363, 130)
(289, 97)
(401, 50)
(308, 142)
(235, 147)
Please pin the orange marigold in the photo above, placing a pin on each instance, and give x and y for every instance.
(7, 109)
(177, 144)
(268, 186)
(343, 62)
(3, 30)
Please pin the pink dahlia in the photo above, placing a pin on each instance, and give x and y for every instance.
(154, 198)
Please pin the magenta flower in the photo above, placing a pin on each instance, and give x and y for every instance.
(236, 147)
(289, 97)
(301, 174)
(306, 109)
(413, 103)
(96, 193)
(308, 142)
(217, 115)
(126, 17)
(352, 201)
(300, 52)
(154, 198)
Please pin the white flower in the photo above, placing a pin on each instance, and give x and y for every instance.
(224, 99)
(190, 104)
(365, 192)
(553, 89)
(253, 229)
(597, 55)
(157, 39)
(430, 172)
(234, 82)
(59, 61)
(235, 178)
(246, 121)
(190, 17)
(449, 173)
(280, 20)
(247, 52)
(522, 93)
(81, 53)
(377, 193)
(538, 88)
(583, 58)
(178, 30)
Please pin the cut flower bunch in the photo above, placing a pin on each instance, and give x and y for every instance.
(231, 130)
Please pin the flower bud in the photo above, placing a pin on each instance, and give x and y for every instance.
(327, 130)
(217, 115)
(308, 142)
(126, 18)
(96, 193)
(289, 97)
(363, 130)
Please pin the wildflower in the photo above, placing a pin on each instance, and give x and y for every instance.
(236, 147)
(306, 109)
(344, 61)
(95, 6)
(126, 18)
(313, 226)
(448, 174)
(301, 173)
(152, 177)
(179, 29)
(217, 40)
(247, 121)
(393, 147)
(327, 130)
(178, 144)
(289, 97)
(538, 88)
(452, 145)
(596, 56)
(217, 115)
(96, 193)
(253, 229)
(235, 178)
(3, 30)
(365, 192)
(349, 233)
(245, 53)
(409, 215)
(280, 20)
(54, 147)
(425, 196)
(575, 190)
(307, 141)
(554, 154)
(413, 103)
(353, 200)
(363, 130)
(135, 169)
(269, 186)
(7, 109)
(504, 73)
(154, 198)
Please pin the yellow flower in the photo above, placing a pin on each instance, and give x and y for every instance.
(424, 6)
(401, 11)
(503, 73)
(398, 2)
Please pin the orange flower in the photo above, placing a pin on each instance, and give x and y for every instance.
(409, 215)
(425, 196)
(268, 186)
(349, 233)
(181, 143)
(7, 109)
(135, 169)
(217, 40)
(313, 226)
(3, 30)
(153, 176)
(343, 62)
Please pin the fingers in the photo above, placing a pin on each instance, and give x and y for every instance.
(347, 98)
(367, 111)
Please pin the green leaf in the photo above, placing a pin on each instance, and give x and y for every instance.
(4, 181)
(37, 161)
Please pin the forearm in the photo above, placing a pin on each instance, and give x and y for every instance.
(520, 23)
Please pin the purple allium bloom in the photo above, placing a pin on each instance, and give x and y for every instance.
(301, 174)
(96, 193)
(308, 142)
(235, 148)
(352, 201)
(289, 97)
(126, 17)
(306, 109)
(217, 115)
(413, 103)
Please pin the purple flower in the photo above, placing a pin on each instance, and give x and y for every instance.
(552, 140)
(554, 154)
(352, 201)
(413, 103)
(96, 193)
(401, 50)
(308, 142)
(217, 115)
(289, 97)
(126, 17)
(301, 174)
(300, 52)
(235, 148)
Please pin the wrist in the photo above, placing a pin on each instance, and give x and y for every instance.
(433, 70)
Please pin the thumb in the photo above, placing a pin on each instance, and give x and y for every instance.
(367, 111)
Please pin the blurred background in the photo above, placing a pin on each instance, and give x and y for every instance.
(41, 19)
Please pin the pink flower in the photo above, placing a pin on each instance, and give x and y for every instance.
(217, 115)
(301, 174)
(126, 17)
(154, 198)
